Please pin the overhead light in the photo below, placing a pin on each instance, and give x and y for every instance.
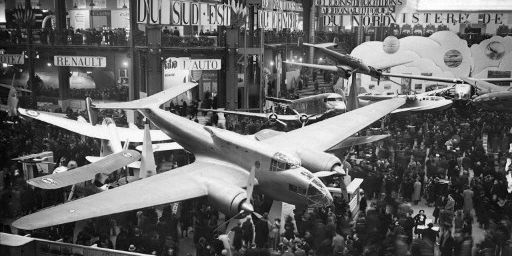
(4, 65)
(88, 72)
(125, 63)
(320, 59)
(271, 63)
(300, 59)
(49, 64)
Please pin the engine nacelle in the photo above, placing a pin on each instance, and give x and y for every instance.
(226, 198)
(318, 161)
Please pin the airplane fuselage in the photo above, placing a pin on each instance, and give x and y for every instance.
(495, 101)
(279, 173)
(320, 104)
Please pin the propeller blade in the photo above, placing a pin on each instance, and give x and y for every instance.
(227, 221)
(250, 183)
(257, 215)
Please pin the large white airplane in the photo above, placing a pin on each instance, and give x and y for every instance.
(283, 165)
(310, 108)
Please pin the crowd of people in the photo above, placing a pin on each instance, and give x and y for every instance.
(431, 160)
(117, 93)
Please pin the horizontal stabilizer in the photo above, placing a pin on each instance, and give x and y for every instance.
(31, 156)
(106, 165)
(163, 147)
(152, 101)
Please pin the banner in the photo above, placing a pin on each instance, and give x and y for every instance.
(180, 13)
(2, 11)
(80, 61)
(79, 19)
(120, 18)
(172, 75)
(12, 59)
(192, 64)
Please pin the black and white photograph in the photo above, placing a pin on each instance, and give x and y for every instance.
(256, 127)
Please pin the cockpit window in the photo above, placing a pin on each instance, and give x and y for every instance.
(297, 189)
(281, 162)
(334, 99)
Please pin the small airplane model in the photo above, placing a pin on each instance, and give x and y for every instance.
(281, 167)
(426, 101)
(349, 64)
(479, 91)
(119, 158)
(311, 108)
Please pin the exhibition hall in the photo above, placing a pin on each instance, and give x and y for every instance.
(256, 127)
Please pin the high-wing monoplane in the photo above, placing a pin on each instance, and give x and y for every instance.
(347, 65)
(310, 108)
(282, 166)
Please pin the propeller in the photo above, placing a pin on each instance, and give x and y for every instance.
(246, 207)
(303, 118)
(273, 118)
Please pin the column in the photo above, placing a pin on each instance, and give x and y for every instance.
(231, 86)
(154, 64)
(63, 73)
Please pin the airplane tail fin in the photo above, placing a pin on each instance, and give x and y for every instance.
(93, 113)
(147, 165)
(153, 101)
(352, 101)
(12, 102)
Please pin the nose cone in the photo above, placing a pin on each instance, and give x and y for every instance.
(247, 207)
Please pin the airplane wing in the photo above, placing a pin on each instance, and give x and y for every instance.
(426, 78)
(183, 183)
(335, 129)
(252, 114)
(96, 131)
(390, 63)
(318, 66)
(484, 85)
(105, 165)
(241, 113)
(323, 45)
(358, 140)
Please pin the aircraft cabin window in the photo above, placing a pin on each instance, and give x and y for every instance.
(333, 99)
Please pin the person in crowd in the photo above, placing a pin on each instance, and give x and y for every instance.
(446, 242)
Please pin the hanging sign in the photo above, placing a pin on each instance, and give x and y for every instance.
(12, 59)
(80, 61)
(192, 64)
